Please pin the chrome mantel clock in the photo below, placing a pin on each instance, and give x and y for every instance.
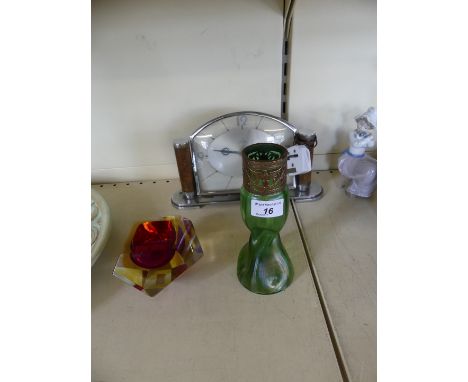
(210, 161)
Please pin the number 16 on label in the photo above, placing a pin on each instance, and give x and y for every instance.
(264, 209)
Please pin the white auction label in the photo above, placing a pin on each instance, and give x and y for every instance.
(266, 209)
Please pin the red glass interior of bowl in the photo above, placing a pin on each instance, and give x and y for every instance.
(153, 244)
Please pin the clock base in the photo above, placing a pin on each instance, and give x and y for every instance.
(314, 192)
(179, 199)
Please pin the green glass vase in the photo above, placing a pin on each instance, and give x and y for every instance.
(263, 265)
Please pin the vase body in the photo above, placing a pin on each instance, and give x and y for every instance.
(263, 265)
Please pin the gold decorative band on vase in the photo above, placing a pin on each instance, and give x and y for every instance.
(264, 168)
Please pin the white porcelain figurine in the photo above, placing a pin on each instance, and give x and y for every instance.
(354, 164)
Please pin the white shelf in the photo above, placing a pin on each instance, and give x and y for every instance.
(342, 242)
(204, 326)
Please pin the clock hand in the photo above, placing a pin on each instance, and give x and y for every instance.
(226, 151)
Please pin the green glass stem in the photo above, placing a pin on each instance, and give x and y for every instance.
(263, 265)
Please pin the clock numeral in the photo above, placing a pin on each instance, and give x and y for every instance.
(225, 125)
(211, 174)
(228, 183)
(259, 122)
(241, 121)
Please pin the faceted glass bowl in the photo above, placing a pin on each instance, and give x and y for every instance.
(160, 251)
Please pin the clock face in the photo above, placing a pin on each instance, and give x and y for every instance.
(217, 147)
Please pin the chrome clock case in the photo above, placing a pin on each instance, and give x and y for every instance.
(210, 160)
